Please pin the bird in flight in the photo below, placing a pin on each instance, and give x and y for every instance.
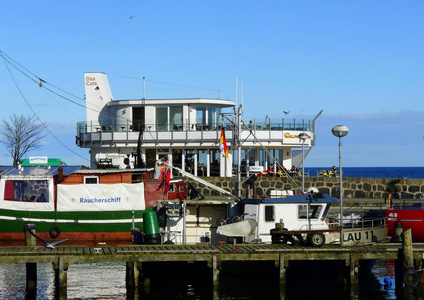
(286, 112)
(132, 17)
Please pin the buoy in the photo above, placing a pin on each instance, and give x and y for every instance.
(388, 280)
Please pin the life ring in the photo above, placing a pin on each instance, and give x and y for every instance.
(410, 277)
(54, 232)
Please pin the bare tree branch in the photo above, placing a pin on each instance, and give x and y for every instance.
(20, 135)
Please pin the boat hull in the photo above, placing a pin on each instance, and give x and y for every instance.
(79, 226)
(410, 218)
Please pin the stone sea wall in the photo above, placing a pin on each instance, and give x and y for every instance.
(353, 188)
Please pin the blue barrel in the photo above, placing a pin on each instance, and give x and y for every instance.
(151, 228)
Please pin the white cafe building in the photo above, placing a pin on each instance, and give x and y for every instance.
(187, 131)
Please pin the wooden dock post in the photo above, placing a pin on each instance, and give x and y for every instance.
(354, 276)
(215, 276)
(31, 268)
(354, 269)
(408, 256)
(410, 276)
(282, 272)
(61, 278)
(132, 278)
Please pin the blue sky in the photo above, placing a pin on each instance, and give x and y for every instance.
(361, 62)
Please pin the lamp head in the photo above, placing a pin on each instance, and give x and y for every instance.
(303, 136)
(340, 131)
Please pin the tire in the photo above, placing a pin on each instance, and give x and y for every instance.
(54, 232)
(296, 239)
(220, 222)
(278, 239)
(410, 278)
(235, 219)
(316, 239)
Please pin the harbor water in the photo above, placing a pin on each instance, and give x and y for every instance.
(107, 281)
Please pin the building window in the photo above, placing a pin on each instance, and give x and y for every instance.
(176, 115)
(91, 180)
(162, 118)
(200, 115)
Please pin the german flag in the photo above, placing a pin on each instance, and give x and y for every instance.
(223, 144)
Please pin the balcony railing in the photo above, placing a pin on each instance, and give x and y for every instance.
(105, 133)
(92, 127)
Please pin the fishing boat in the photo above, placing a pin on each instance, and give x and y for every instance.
(288, 219)
(96, 205)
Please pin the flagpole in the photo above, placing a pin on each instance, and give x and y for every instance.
(238, 152)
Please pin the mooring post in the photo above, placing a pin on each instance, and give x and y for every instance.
(354, 270)
(215, 276)
(61, 277)
(31, 268)
(282, 272)
(354, 276)
(410, 276)
(408, 256)
(132, 278)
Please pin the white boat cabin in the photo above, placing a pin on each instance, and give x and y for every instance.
(298, 212)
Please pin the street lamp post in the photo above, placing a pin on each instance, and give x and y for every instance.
(340, 131)
(303, 136)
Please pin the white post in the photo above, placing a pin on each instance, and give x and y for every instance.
(340, 131)
(341, 191)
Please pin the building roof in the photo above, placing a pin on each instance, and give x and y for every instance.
(37, 170)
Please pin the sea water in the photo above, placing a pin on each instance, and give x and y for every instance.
(107, 281)
(373, 172)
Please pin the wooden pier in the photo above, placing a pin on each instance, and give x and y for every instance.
(135, 255)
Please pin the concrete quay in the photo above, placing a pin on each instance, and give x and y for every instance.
(353, 188)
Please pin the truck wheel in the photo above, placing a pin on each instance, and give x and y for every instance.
(316, 239)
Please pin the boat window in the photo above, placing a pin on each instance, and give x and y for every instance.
(27, 190)
(269, 213)
(91, 180)
(171, 188)
(301, 211)
(313, 211)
